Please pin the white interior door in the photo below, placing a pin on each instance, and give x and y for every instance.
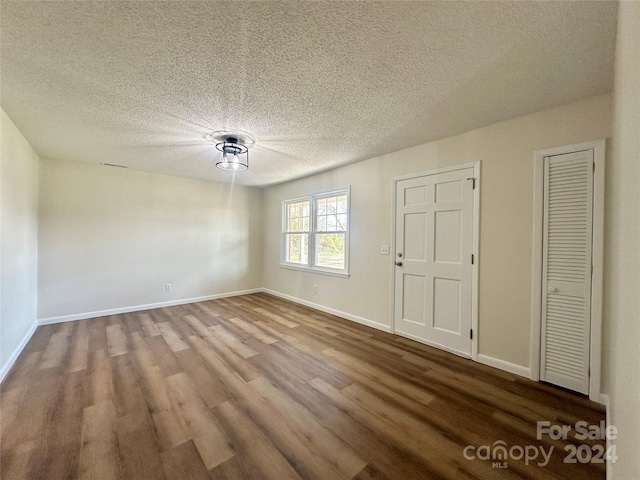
(434, 245)
(566, 270)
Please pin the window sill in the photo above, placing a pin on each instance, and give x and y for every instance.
(289, 266)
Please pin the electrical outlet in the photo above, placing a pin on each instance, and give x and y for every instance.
(315, 289)
(384, 250)
(167, 287)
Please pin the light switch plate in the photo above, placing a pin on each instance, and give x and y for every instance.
(384, 250)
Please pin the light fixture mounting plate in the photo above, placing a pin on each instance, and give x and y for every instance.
(221, 136)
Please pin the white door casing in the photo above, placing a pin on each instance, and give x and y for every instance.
(435, 299)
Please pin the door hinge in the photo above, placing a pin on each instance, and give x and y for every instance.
(473, 259)
(471, 334)
(473, 182)
(594, 166)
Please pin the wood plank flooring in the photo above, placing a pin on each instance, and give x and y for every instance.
(255, 387)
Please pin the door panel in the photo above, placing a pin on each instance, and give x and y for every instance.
(415, 232)
(447, 302)
(434, 236)
(415, 195)
(447, 232)
(448, 191)
(413, 304)
(566, 270)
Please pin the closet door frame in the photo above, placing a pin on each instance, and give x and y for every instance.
(595, 344)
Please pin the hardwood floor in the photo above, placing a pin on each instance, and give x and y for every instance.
(259, 388)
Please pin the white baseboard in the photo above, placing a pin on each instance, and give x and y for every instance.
(16, 353)
(138, 308)
(503, 365)
(332, 311)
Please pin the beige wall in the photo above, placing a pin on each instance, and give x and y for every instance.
(622, 258)
(506, 151)
(112, 238)
(18, 239)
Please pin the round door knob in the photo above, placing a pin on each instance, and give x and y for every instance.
(399, 264)
(552, 289)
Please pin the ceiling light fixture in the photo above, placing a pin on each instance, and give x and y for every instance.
(235, 155)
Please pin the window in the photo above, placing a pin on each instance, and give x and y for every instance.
(297, 232)
(316, 232)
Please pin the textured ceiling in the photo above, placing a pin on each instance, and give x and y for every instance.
(318, 84)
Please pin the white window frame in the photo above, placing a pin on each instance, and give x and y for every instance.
(310, 266)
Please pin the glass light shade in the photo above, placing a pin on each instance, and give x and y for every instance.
(240, 160)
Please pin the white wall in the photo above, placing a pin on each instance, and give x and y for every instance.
(18, 239)
(112, 238)
(506, 150)
(622, 273)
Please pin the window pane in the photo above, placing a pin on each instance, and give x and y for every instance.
(297, 217)
(321, 225)
(322, 206)
(297, 248)
(331, 223)
(327, 219)
(294, 225)
(330, 250)
(342, 222)
(342, 204)
(332, 206)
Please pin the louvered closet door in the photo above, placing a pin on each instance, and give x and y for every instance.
(566, 287)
